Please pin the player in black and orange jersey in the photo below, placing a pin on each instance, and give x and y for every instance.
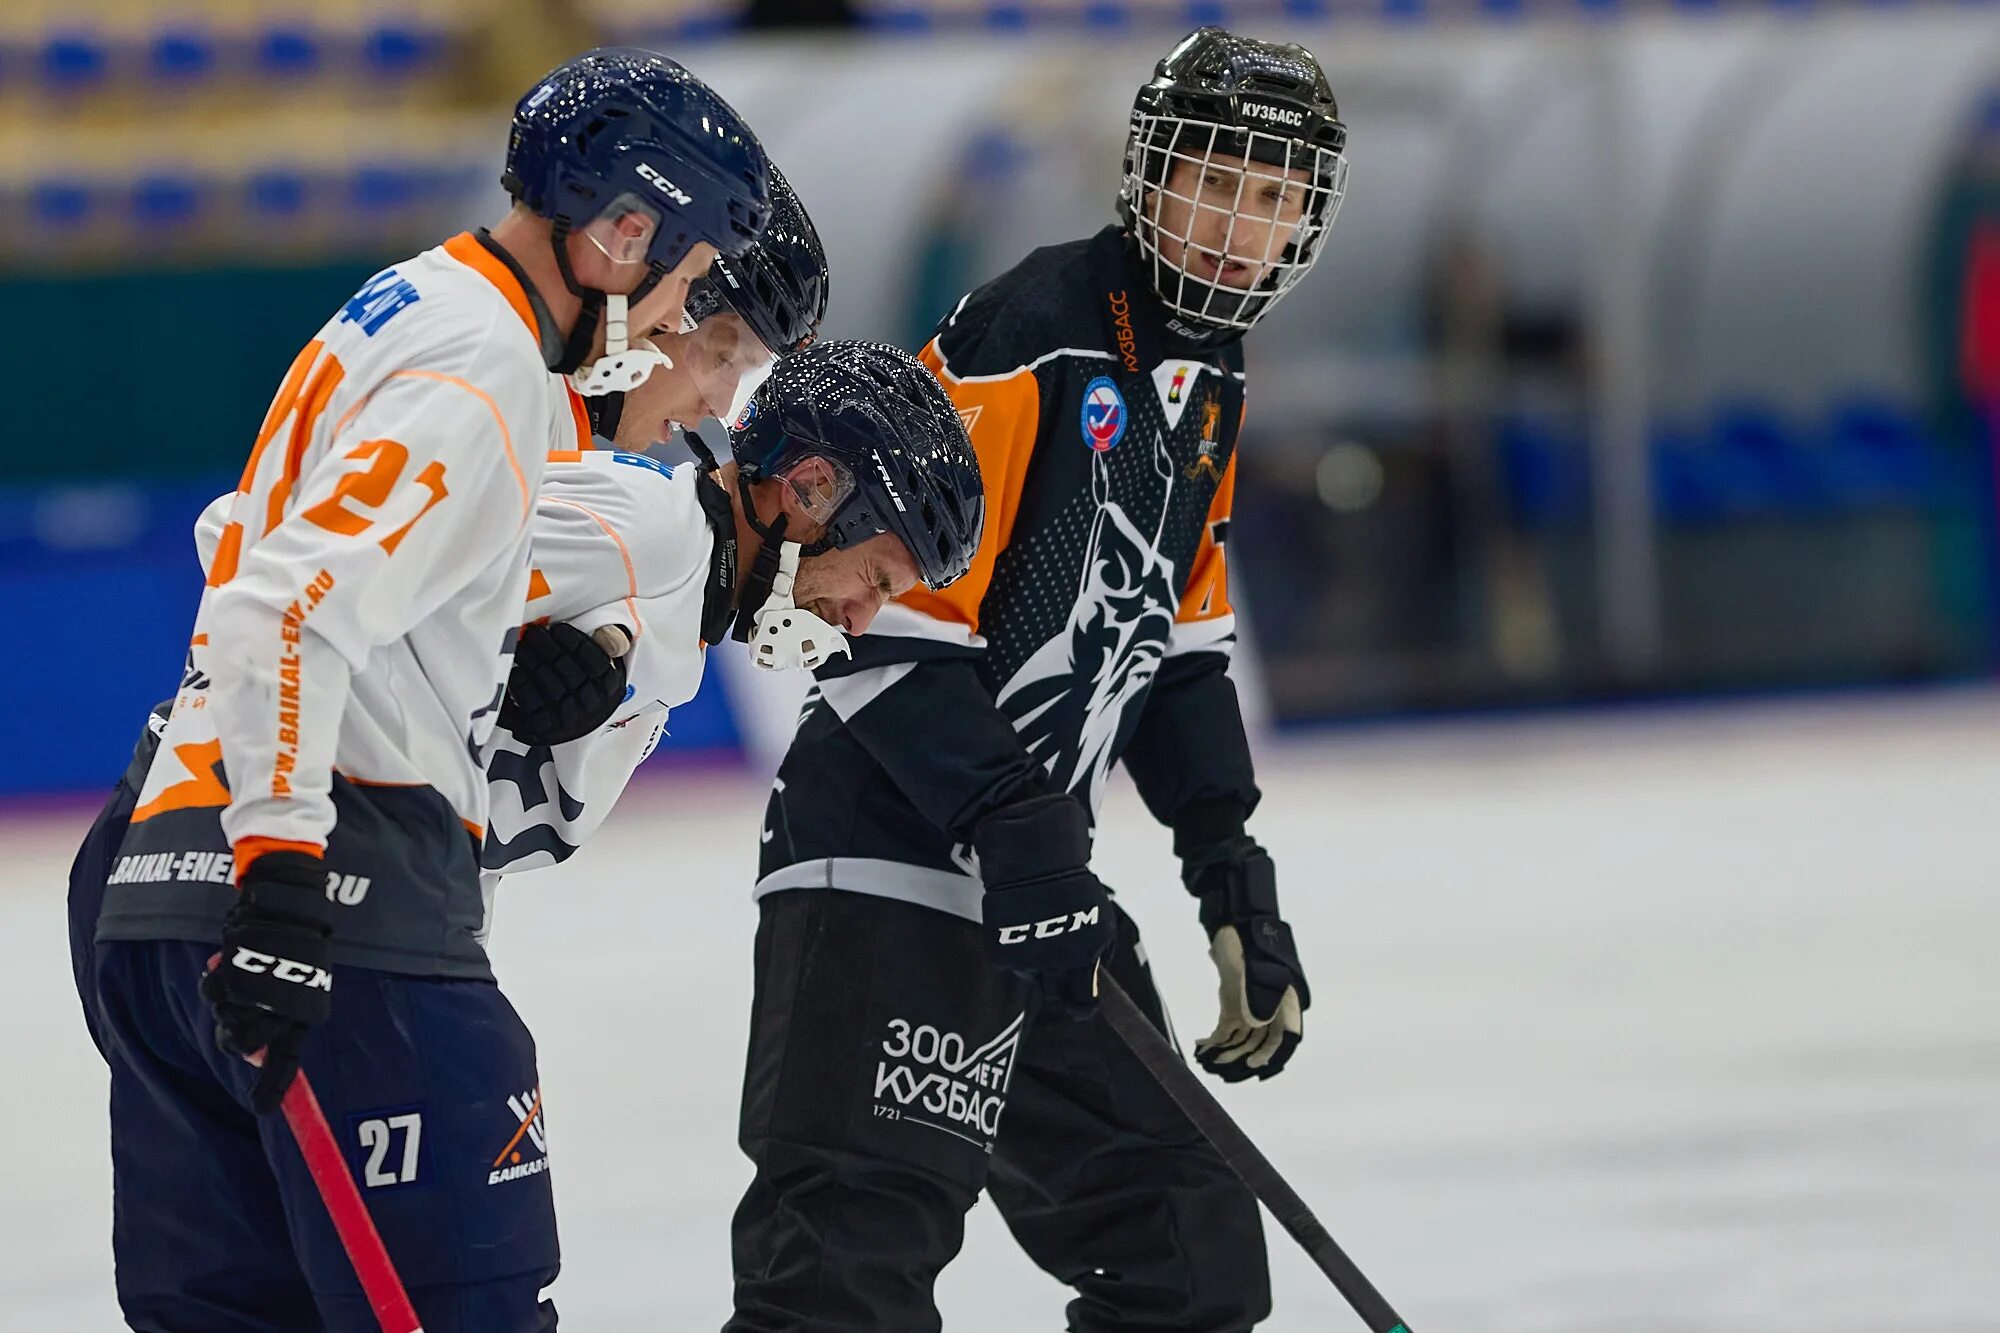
(928, 915)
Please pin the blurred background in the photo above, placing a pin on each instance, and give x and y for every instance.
(1656, 351)
(1654, 358)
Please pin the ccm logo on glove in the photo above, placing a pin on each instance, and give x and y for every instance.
(283, 969)
(1049, 929)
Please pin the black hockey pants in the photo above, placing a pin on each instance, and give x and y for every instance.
(893, 1074)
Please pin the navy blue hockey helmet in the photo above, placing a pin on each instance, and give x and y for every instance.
(879, 414)
(618, 123)
(778, 285)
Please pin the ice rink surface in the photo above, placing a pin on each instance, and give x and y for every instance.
(1653, 1021)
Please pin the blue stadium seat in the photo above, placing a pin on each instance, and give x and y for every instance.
(182, 55)
(380, 187)
(163, 201)
(395, 50)
(75, 59)
(1687, 487)
(62, 203)
(1879, 453)
(287, 51)
(277, 192)
(1762, 464)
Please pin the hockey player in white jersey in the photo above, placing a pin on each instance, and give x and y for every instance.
(318, 796)
(852, 482)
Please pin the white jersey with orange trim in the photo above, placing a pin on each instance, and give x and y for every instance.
(347, 658)
(620, 539)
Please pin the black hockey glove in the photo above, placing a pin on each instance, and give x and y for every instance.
(1047, 917)
(1263, 993)
(564, 684)
(272, 983)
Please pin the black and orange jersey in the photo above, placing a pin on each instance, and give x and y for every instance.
(1095, 622)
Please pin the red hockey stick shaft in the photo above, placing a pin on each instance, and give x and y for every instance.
(350, 1216)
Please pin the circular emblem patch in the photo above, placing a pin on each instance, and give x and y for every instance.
(1103, 414)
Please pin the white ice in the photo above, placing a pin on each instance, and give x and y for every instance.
(1660, 1021)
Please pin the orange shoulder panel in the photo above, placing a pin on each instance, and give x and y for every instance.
(1207, 593)
(1002, 414)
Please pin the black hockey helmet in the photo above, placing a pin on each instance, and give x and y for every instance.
(895, 438)
(778, 285)
(1220, 96)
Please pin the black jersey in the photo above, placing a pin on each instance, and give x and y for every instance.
(1095, 621)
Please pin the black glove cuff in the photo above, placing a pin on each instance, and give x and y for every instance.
(287, 885)
(1234, 892)
(1032, 840)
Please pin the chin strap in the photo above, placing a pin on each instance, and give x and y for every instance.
(623, 367)
(783, 636)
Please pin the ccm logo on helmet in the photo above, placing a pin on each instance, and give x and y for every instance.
(1276, 115)
(284, 969)
(1049, 929)
(665, 186)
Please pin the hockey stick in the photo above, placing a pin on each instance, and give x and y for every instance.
(1166, 1066)
(358, 1236)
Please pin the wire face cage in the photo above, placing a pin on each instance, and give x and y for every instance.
(1230, 219)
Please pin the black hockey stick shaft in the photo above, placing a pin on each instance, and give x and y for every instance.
(1244, 1158)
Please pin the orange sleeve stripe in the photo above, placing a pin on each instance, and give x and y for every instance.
(565, 455)
(1002, 416)
(499, 421)
(281, 406)
(1206, 595)
(467, 250)
(249, 849)
(228, 551)
(324, 381)
(624, 553)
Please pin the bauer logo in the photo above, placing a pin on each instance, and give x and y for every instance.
(1103, 415)
(665, 186)
(1272, 115)
(941, 1081)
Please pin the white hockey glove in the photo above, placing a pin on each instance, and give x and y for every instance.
(1263, 993)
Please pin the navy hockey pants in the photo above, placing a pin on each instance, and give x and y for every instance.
(430, 1088)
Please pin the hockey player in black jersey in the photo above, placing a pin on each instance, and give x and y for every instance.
(931, 933)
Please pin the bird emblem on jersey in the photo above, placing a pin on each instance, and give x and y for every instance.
(1180, 382)
(1103, 414)
(1211, 419)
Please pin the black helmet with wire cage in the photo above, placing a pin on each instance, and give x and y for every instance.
(1225, 116)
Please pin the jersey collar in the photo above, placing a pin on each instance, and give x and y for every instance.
(1139, 329)
(479, 252)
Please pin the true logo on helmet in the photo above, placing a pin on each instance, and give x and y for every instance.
(1103, 415)
(1272, 115)
(665, 186)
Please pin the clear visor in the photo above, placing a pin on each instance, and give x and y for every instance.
(1229, 234)
(624, 231)
(724, 363)
(821, 485)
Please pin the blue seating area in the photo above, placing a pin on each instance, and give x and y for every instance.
(179, 53)
(1744, 461)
